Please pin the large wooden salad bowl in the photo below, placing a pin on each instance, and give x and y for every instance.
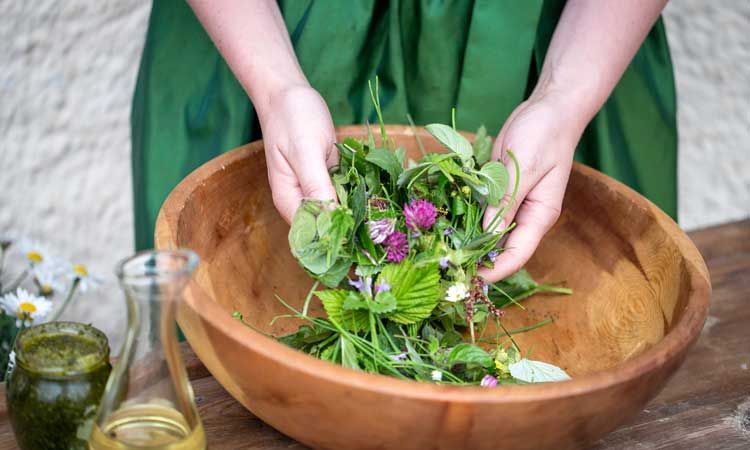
(641, 297)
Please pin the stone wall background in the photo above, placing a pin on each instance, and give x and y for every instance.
(67, 72)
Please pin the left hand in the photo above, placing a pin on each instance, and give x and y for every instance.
(543, 136)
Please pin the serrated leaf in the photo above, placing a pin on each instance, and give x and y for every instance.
(452, 140)
(416, 290)
(470, 354)
(536, 371)
(384, 302)
(386, 160)
(482, 146)
(333, 301)
(496, 176)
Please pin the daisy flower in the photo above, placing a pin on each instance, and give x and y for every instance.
(86, 280)
(26, 307)
(34, 251)
(49, 278)
(436, 375)
(457, 292)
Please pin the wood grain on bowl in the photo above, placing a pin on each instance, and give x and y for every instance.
(641, 297)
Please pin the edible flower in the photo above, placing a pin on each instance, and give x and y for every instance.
(436, 375)
(382, 287)
(488, 381)
(420, 214)
(381, 229)
(457, 292)
(26, 307)
(397, 247)
(48, 278)
(363, 285)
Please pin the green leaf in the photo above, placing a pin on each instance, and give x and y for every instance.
(416, 290)
(521, 279)
(332, 276)
(413, 173)
(333, 301)
(384, 302)
(386, 160)
(303, 228)
(496, 176)
(349, 354)
(339, 231)
(536, 371)
(470, 354)
(452, 140)
(358, 202)
(354, 301)
(482, 146)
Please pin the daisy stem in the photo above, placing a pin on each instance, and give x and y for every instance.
(67, 300)
(471, 330)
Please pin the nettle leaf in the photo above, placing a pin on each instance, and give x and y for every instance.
(386, 160)
(452, 140)
(470, 354)
(333, 302)
(482, 146)
(496, 176)
(536, 371)
(416, 290)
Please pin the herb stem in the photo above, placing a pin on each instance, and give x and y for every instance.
(67, 300)
(306, 306)
(416, 136)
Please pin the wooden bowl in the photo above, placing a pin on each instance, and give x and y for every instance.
(641, 297)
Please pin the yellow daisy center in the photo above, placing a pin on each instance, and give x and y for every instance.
(80, 270)
(46, 289)
(27, 307)
(34, 257)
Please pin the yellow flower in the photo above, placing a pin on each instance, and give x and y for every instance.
(80, 270)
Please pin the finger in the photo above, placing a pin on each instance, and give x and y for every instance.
(285, 189)
(535, 217)
(314, 181)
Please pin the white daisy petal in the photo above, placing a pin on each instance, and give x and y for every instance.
(457, 292)
(25, 306)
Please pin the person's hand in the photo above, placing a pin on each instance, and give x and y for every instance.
(543, 138)
(299, 140)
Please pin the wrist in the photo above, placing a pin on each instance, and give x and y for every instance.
(265, 95)
(573, 103)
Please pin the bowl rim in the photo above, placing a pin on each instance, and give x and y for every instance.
(675, 342)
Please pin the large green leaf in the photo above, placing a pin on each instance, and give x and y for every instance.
(416, 290)
(303, 228)
(350, 319)
(452, 140)
(349, 355)
(386, 160)
(496, 176)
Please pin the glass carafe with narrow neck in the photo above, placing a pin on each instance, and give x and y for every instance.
(148, 402)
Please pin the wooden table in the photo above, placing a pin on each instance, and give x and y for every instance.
(705, 406)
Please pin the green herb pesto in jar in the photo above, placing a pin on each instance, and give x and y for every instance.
(54, 389)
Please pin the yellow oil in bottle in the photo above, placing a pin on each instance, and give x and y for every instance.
(147, 426)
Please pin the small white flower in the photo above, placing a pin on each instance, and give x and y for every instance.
(34, 251)
(436, 375)
(11, 360)
(26, 307)
(86, 280)
(50, 278)
(457, 292)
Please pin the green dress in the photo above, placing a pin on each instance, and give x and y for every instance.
(482, 56)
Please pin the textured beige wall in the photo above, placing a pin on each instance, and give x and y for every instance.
(67, 71)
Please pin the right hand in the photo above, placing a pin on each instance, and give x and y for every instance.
(299, 140)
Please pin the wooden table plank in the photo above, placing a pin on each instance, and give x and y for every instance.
(705, 406)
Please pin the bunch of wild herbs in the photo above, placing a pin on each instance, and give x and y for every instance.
(399, 256)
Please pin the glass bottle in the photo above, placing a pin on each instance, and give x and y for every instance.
(148, 402)
(55, 384)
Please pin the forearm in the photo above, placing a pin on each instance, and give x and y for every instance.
(593, 44)
(252, 38)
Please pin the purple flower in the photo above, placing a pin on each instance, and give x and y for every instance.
(363, 285)
(420, 214)
(381, 229)
(492, 255)
(448, 231)
(488, 381)
(397, 246)
(399, 357)
(444, 262)
(382, 287)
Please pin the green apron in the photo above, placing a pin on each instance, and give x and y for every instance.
(481, 56)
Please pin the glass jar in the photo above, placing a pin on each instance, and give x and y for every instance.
(148, 402)
(55, 385)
